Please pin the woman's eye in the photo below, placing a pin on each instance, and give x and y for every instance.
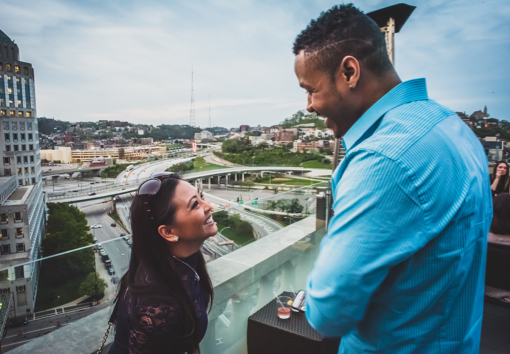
(194, 205)
(202, 195)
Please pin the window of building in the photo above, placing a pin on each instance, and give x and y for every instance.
(23, 147)
(7, 171)
(7, 137)
(3, 218)
(12, 113)
(27, 182)
(4, 274)
(1, 66)
(7, 148)
(31, 147)
(18, 159)
(28, 114)
(19, 170)
(7, 161)
(6, 125)
(18, 271)
(22, 135)
(20, 113)
(19, 234)
(14, 125)
(18, 217)
(16, 148)
(30, 136)
(33, 180)
(15, 136)
(29, 125)
(31, 158)
(3, 113)
(26, 170)
(32, 169)
(16, 69)
(8, 67)
(22, 125)
(25, 159)
(20, 181)
(25, 71)
(4, 234)
(6, 249)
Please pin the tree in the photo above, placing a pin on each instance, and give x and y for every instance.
(271, 205)
(295, 207)
(88, 287)
(263, 145)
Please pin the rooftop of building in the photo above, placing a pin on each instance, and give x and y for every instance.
(19, 196)
(4, 39)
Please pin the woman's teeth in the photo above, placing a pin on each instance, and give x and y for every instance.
(209, 221)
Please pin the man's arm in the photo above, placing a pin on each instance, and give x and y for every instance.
(378, 222)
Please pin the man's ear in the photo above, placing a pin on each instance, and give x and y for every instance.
(167, 233)
(348, 73)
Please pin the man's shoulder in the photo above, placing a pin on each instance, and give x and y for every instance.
(404, 127)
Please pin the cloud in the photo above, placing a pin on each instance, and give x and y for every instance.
(132, 60)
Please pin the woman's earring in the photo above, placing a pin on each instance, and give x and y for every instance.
(351, 87)
(176, 238)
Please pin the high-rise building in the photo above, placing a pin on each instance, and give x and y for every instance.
(22, 206)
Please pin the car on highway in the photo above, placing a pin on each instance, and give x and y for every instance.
(94, 193)
(113, 224)
(91, 182)
(75, 191)
(97, 182)
(96, 226)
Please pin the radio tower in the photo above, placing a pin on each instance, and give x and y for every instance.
(210, 122)
(192, 110)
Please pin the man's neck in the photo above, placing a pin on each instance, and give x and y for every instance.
(377, 87)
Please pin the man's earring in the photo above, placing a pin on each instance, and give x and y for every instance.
(176, 238)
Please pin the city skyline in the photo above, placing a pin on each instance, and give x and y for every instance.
(132, 62)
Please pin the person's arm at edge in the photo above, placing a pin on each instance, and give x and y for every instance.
(377, 223)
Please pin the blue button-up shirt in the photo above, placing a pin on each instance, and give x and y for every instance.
(402, 267)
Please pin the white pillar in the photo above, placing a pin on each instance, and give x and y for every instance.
(226, 181)
(242, 176)
(235, 174)
(196, 183)
(210, 182)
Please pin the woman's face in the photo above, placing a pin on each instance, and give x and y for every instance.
(502, 169)
(193, 220)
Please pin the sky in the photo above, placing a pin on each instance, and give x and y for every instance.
(132, 60)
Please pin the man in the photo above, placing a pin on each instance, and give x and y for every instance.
(401, 269)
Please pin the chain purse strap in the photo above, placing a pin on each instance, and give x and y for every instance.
(104, 338)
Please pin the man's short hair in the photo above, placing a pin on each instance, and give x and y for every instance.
(344, 30)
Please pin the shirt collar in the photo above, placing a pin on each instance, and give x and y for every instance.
(405, 92)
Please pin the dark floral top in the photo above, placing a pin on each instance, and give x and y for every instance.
(156, 326)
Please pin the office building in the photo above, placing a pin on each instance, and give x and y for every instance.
(22, 209)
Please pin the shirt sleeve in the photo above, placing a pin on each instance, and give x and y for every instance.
(377, 223)
(157, 325)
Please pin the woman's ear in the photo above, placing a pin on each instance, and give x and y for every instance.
(167, 233)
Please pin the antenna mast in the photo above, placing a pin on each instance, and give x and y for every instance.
(192, 110)
(210, 122)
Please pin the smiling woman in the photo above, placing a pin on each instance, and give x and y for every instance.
(163, 298)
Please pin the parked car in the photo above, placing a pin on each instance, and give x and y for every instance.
(17, 322)
(110, 270)
(94, 193)
(130, 242)
(103, 253)
(122, 234)
(96, 226)
(115, 279)
(113, 224)
(107, 263)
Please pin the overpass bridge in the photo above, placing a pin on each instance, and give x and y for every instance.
(197, 178)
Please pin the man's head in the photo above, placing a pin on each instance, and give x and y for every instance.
(342, 62)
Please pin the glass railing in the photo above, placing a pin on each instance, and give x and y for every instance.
(75, 290)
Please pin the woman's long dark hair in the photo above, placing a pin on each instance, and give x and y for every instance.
(504, 181)
(150, 250)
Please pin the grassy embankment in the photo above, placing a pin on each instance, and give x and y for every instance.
(240, 231)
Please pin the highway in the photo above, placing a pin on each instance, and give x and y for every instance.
(144, 171)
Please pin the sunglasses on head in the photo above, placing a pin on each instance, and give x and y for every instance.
(153, 185)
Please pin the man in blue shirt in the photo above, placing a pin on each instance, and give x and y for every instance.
(402, 267)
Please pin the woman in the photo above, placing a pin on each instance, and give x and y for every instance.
(163, 298)
(499, 178)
